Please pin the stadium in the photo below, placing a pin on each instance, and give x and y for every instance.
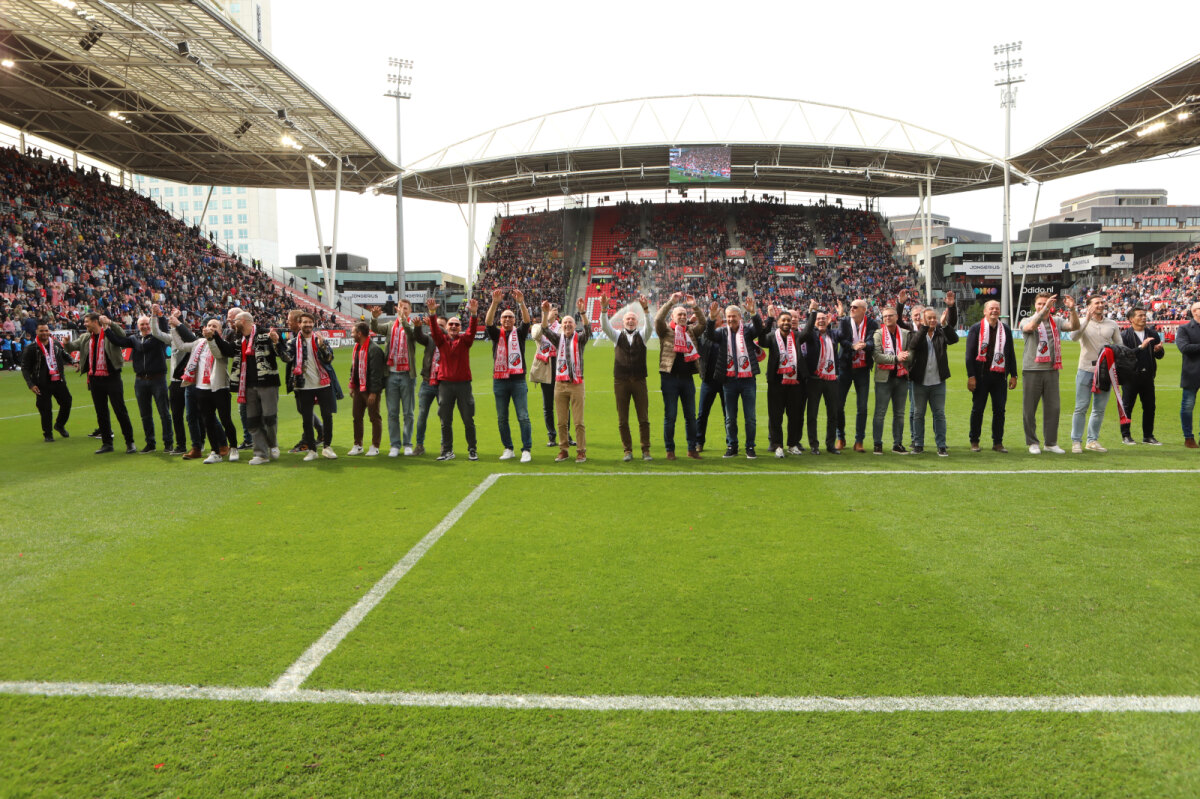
(857, 537)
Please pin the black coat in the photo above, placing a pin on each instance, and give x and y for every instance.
(33, 363)
(942, 338)
(1147, 358)
(1187, 339)
(846, 335)
(768, 342)
(983, 368)
(719, 336)
(808, 336)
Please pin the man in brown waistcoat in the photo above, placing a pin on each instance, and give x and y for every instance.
(629, 374)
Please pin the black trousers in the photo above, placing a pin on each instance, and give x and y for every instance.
(150, 394)
(451, 394)
(710, 392)
(785, 400)
(548, 410)
(307, 398)
(106, 391)
(178, 399)
(1140, 388)
(317, 427)
(224, 411)
(994, 386)
(55, 390)
(819, 390)
(209, 404)
(860, 378)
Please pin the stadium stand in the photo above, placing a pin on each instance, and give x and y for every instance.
(1167, 289)
(526, 252)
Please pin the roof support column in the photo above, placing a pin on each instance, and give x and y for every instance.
(927, 235)
(337, 197)
(21, 136)
(471, 206)
(74, 160)
(312, 191)
(207, 200)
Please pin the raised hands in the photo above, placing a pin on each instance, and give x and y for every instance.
(519, 296)
(431, 305)
(473, 306)
(376, 311)
(750, 303)
(950, 298)
(497, 295)
(545, 307)
(580, 305)
(644, 301)
(274, 336)
(813, 305)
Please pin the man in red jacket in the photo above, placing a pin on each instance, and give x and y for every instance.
(454, 385)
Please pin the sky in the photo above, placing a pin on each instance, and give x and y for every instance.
(479, 66)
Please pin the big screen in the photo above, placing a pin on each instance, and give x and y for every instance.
(699, 165)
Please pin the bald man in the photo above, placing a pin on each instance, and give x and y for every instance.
(858, 334)
(991, 373)
(148, 360)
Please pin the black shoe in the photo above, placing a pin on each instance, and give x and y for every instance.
(833, 450)
(446, 456)
(148, 448)
(571, 442)
(1127, 440)
(750, 454)
(942, 453)
(878, 450)
(815, 450)
(729, 452)
(104, 448)
(899, 449)
(247, 445)
(48, 439)
(918, 450)
(552, 443)
(177, 451)
(95, 433)
(1152, 441)
(472, 455)
(130, 449)
(62, 431)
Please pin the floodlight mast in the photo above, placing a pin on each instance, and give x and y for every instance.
(1008, 99)
(396, 80)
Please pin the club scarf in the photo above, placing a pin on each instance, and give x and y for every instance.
(199, 368)
(545, 348)
(508, 355)
(985, 332)
(787, 356)
(435, 367)
(826, 370)
(398, 348)
(860, 335)
(1107, 361)
(309, 351)
(98, 360)
(51, 361)
(684, 343)
(570, 367)
(247, 354)
(891, 346)
(1047, 339)
(737, 360)
(360, 365)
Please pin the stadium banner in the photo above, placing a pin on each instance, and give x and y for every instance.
(1020, 266)
(692, 272)
(785, 270)
(416, 297)
(825, 252)
(1084, 263)
(647, 254)
(735, 252)
(1030, 292)
(1122, 260)
(979, 268)
(600, 273)
(366, 298)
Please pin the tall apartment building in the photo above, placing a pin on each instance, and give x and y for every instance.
(242, 220)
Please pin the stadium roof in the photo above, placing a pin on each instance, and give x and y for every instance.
(174, 90)
(1156, 119)
(777, 144)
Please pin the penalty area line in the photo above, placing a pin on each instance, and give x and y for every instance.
(304, 666)
(694, 704)
(838, 472)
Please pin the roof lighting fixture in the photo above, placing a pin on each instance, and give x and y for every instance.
(1151, 128)
(1115, 145)
(1183, 115)
(67, 4)
(316, 160)
(288, 141)
(117, 115)
(7, 63)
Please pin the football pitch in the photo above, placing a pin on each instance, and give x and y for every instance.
(983, 624)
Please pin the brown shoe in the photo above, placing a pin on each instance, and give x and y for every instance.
(192, 454)
(1190, 443)
(858, 447)
(975, 446)
(840, 444)
(561, 456)
(671, 455)
(224, 451)
(999, 448)
(694, 454)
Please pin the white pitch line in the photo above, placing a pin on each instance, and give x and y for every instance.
(702, 704)
(73, 409)
(838, 472)
(304, 666)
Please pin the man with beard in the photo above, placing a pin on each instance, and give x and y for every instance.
(42, 366)
(207, 375)
(629, 375)
(819, 345)
(677, 362)
(508, 372)
(308, 356)
(990, 358)
(1094, 334)
(101, 360)
(254, 370)
(786, 387)
(367, 369)
(1041, 364)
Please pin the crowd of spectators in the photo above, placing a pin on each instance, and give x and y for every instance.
(527, 254)
(1167, 290)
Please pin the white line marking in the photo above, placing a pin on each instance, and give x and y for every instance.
(304, 666)
(705, 704)
(73, 409)
(837, 472)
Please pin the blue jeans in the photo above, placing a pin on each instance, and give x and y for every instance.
(894, 391)
(1084, 396)
(517, 390)
(1186, 407)
(677, 391)
(400, 396)
(746, 389)
(935, 396)
(151, 393)
(426, 396)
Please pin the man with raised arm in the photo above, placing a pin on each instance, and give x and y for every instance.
(1094, 334)
(43, 365)
(629, 375)
(929, 370)
(207, 375)
(569, 393)
(367, 371)
(857, 332)
(991, 373)
(454, 377)
(820, 342)
(148, 359)
(508, 371)
(712, 380)
(541, 369)
(308, 355)
(892, 359)
(254, 369)
(736, 353)
(401, 361)
(678, 359)
(1147, 345)
(1041, 363)
(786, 376)
(101, 360)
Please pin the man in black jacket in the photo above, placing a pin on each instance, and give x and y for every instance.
(712, 378)
(858, 336)
(42, 365)
(254, 378)
(368, 370)
(148, 360)
(986, 370)
(1187, 339)
(786, 373)
(820, 344)
(929, 370)
(1146, 344)
(735, 353)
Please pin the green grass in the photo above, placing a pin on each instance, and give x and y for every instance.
(150, 569)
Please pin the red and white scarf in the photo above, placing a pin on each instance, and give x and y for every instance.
(301, 354)
(398, 348)
(985, 332)
(200, 366)
(737, 360)
(51, 361)
(891, 346)
(508, 355)
(247, 354)
(570, 366)
(1048, 339)
(1107, 361)
(787, 356)
(435, 367)
(684, 343)
(860, 335)
(826, 369)
(98, 362)
(545, 348)
(359, 375)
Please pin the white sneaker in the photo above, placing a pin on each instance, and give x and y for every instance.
(274, 453)
(408, 450)
(214, 457)
(795, 451)
(1076, 448)
(526, 457)
(355, 450)
(1057, 450)
(1094, 446)
(311, 455)
(507, 455)
(233, 454)
(394, 452)
(329, 453)
(779, 452)
(258, 460)
(372, 452)
(1034, 449)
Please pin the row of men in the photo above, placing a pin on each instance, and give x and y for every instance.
(808, 366)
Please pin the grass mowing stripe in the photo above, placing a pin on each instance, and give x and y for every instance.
(298, 672)
(703, 704)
